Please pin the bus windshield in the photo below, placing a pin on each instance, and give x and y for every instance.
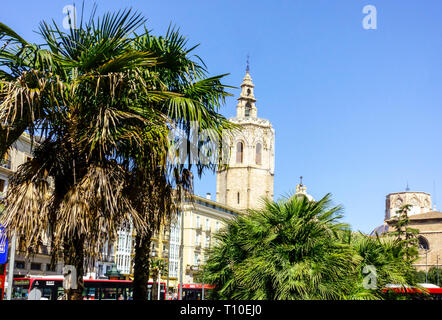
(20, 289)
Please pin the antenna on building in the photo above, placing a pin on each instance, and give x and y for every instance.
(300, 183)
(248, 65)
(407, 188)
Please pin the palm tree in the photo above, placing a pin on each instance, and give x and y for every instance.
(297, 249)
(288, 250)
(103, 99)
(387, 258)
(157, 267)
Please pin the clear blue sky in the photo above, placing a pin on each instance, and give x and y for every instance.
(357, 112)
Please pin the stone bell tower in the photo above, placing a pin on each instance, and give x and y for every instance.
(249, 174)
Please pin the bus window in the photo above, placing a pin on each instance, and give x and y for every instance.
(121, 294)
(60, 293)
(91, 294)
(149, 291)
(46, 293)
(108, 294)
(129, 294)
(20, 289)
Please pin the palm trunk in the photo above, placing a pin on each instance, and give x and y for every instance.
(141, 266)
(74, 255)
(155, 287)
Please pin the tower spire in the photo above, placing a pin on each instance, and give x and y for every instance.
(246, 107)
(248, 64)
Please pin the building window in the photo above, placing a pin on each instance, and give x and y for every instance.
(258, 153)
(239, 152)
(6, 161)
(196, 260)
(198, 221)
(2, 185)
(207, 224)
(35, 266)
(238, 197)
(247, 110)
(20, 264)
(207, 241)
(248, 92)
(423, 243)
(217, 226)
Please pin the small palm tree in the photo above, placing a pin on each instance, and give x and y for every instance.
(387, 258)
(297, 249)
(157, 267)
(289, 249)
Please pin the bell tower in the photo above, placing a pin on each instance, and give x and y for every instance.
(250, 171)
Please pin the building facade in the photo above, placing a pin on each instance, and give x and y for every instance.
(423, 217)
(429, 225)
(202, 218)
(249, 174)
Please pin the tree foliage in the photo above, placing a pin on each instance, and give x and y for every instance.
(103, 100)
(297, 249)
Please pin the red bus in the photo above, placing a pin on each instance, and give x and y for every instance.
(51, 288)
(2, 280)
(194, 291)
(431, 293)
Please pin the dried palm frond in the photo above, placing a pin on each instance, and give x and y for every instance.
(97, 207)
(26, 204)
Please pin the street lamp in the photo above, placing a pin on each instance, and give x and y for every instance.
(181, 245)
(426, 266)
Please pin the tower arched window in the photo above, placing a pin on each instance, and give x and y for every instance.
(423, 243)
(239, 152)
(238, 197)
(258, 154)
(247, 110)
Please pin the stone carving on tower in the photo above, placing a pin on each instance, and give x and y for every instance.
(249, 173)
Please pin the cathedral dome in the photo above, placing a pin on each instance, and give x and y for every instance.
(301, 191)
(380, 230)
